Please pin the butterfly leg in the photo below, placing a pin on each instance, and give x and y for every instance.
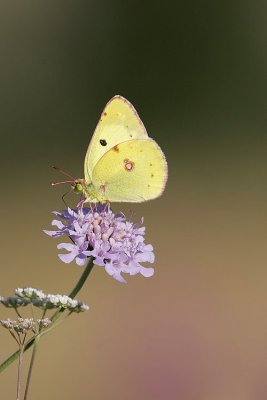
(107, 204)
(63, 198)
(81, 203)
(93, 206)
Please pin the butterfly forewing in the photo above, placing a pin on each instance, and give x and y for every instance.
(118, 123)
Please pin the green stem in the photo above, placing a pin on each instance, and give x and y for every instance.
(75, 290)
(32, 311)
(21, 350)
(17, 312)
(54, 317)
(44, 312)
(83, 278)
(35, 345)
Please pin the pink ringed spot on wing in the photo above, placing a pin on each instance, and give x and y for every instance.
(128, 165)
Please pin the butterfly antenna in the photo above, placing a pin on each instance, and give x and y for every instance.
(60, 183)
(62, 172)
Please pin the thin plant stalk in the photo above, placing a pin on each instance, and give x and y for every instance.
(17, 312)
(21, 351)
(35, 345)
(75, 290)
(19, 373)
(54, 317)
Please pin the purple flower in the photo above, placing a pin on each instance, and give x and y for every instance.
(115, 244)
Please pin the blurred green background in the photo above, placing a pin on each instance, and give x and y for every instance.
(196, 73)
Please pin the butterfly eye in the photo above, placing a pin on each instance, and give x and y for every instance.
(103, 142)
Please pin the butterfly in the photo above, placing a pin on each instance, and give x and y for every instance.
(122, 163)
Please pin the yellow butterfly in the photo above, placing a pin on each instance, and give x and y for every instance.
(122, 163)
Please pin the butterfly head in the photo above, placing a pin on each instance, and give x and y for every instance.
(78, 186)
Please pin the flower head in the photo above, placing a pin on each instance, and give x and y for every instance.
(62, 301)
(43, 323)
(38, 298)
(14, 302)
(8, 323)
(30, 293)
(23, 325)
(114, 243)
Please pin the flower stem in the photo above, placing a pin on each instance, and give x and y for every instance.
(35, 345)
(17, 312)
(21, 350)
(54, 317)
(76, 288)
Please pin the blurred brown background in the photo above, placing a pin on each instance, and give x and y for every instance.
(196, 72)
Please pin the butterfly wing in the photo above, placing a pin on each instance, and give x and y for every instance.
(132, 171)
(118, 123)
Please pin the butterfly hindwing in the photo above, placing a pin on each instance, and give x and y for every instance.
(132, 171)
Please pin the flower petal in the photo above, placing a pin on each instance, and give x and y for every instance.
(67, 246)
(119, 278)
(58, 224)
(147, 272)
(53, 234)
(67, 258)
(145, 257)
(81, 260)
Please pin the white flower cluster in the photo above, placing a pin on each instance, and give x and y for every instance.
(43, 323)
(30, 293)
(8, 323)
(48, 301)
(23, 325)
(14, 302)
(38, 298)
(63, 301)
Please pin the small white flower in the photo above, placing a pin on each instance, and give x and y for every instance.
(43, 323)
